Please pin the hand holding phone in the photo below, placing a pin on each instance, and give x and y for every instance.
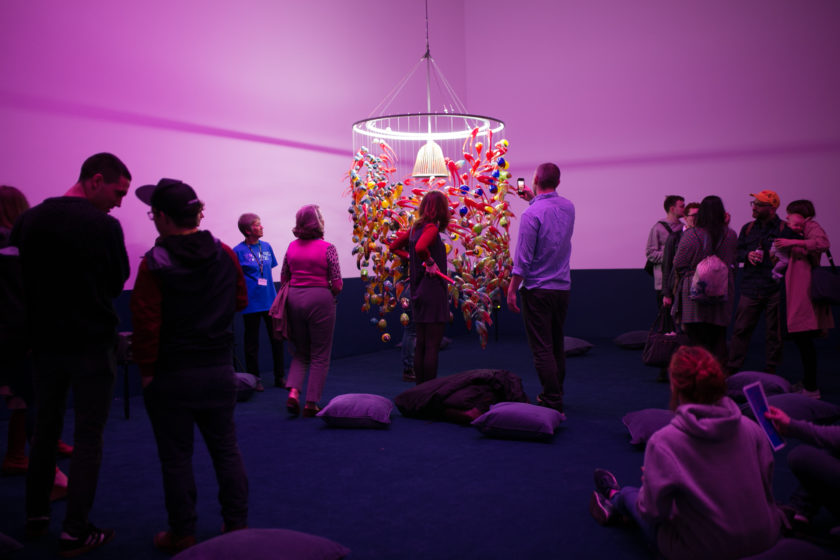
(520, 185)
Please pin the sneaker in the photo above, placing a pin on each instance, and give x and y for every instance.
(93, 537)
(541, 402)
(601, 508)
(605, 483)
(233, 528)
(171, 543)
(259, 387)
(408, 375)
(36, 527)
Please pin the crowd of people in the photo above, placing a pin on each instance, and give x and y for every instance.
(190, 285)
(778, 257)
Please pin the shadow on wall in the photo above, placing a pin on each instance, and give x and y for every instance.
(67, 108)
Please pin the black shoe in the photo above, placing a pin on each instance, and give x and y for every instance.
(280, 382)
(93, 537)
(36, 527)
(605, 483)
(408, 375)
(259, 387)
(311, 411)
(601, 508)
(542, 402)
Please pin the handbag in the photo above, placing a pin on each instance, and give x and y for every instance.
(662, 340)
(825, 283)
(277, 312)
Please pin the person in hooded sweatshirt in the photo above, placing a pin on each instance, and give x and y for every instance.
(188, 288)
(707, 477)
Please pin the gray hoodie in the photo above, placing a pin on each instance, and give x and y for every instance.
(707, 486)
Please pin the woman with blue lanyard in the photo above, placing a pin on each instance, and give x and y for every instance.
(257, 259)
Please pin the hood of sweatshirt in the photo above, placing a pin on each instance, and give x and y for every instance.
(192, 249)
(708, 421)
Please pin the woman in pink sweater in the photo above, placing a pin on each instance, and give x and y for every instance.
(311, 268)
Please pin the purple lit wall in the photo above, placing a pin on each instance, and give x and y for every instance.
(252, 102)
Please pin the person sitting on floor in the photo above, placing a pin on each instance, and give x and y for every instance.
(707, 487)
(816, 466)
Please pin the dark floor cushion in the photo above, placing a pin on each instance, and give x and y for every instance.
(643, 423)
(633, 340)
(772, 384)
(357, 410)
(265, 544)
(516, 420)
(246, 384)
(575, 346)
(801, 407)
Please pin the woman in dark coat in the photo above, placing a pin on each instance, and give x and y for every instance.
(705, 323)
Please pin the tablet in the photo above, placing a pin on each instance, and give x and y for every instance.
(758, 403)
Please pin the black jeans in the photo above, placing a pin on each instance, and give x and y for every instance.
(746, 318)
(251, 321)
(544, 313)
(808, 352)
(173, 420)
(91, 375)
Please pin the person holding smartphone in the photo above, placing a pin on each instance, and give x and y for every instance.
(523, 190)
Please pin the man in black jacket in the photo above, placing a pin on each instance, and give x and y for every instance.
(188, 289)
(759, 292)
(72, 329)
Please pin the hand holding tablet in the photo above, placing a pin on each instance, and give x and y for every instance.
(758, 403)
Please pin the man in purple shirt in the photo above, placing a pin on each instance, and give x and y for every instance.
(541, 269)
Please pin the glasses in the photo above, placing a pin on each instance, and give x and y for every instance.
(151, 214)
(760, 204)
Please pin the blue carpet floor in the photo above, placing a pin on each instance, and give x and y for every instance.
(419, 489)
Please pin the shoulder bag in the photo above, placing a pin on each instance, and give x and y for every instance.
(825, 283)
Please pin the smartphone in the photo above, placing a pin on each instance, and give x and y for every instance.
(520, 184)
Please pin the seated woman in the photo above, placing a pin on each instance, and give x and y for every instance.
(707, 477)
(816, 466)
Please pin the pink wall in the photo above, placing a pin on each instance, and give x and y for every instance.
(636, 100)
(252, 102)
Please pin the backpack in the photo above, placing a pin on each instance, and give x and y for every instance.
(710, 283)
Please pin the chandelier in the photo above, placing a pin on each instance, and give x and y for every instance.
(424, 138)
